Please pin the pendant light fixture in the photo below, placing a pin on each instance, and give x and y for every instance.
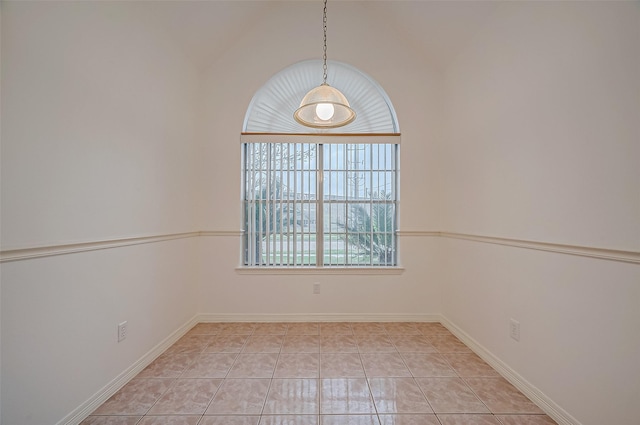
(324, 106)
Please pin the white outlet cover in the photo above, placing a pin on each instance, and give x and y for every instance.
(514, 329)
(122, 331)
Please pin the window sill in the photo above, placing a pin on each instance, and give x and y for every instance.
(321, 270)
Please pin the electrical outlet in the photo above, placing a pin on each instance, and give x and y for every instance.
(122, 331)
(514, 329)
(316, 288)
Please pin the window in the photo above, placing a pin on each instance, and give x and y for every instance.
(316, 200)
(320, 204)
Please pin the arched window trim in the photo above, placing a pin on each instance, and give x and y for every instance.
(271, 108)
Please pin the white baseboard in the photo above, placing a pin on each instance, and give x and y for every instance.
(554, 411)
(320, 317)
(86, 408)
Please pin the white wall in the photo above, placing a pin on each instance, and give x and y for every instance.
(98, 143)
(99, 125)
(542, 114)
(413, 294)
(0, 232)
(414, 88)
(543, 143)
(101, 140)
(60, 316)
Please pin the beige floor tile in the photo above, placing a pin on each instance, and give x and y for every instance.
(298, 365)
(186, 396)
(468, 420)
(135, 398)
(432, 328)
(301, 344)
(398, 395)
(341, 365)
(401, 328)
(254, 365)
(289, 420)
(168, 366)
(336, 328)
(230, 420)
(425, 419)
(501, 397)
(170, 420)
(385, 365)
(413, 344)
(263, 344)
(448, 344)
(227, 344)
(310, 328)
(349, 420)
(292, 397)
(270, 329)
(345, 396)
(210, 365)
(191, 344)
(450, 395)
(526, 420)
(470, 365)
(428, 365)
(111, 420)
(364, 328)
(318, 373)
(206, 329)
(338, 344)
(239, 397)
(375, 343)
(238, 328)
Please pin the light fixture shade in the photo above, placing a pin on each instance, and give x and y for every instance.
(324, 107)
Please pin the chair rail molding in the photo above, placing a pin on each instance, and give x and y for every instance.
(77, 247)
(28, 253)
(579, 250)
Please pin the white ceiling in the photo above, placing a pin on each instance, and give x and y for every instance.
(204, 29)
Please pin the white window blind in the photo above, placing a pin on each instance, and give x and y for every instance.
(319, 204)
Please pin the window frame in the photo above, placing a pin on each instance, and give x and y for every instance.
(319, 140)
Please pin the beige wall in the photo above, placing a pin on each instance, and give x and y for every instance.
(414, 88)
(542, 133)
(98, 143)
(542, 144)
(111, 130)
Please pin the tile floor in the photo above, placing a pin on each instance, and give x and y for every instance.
(318, 374)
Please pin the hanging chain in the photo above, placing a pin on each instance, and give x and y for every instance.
(324, 24)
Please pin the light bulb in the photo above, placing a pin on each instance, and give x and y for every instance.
(325, 111)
